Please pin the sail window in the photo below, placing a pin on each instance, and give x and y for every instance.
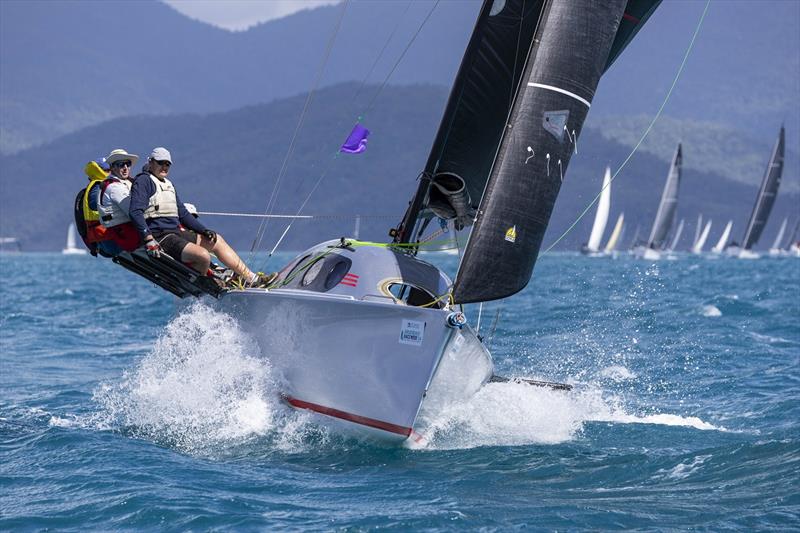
(411, 295)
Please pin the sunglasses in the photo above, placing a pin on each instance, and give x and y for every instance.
(120, 164)
(164, 163)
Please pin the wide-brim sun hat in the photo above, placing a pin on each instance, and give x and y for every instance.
(121, 155)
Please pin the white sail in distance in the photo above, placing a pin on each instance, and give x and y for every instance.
(677, 237)
(701, 241)
(601, 217)
(612, 241)
(779, 238)
(717, 249)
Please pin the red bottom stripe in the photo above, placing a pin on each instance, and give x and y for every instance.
(350, 417)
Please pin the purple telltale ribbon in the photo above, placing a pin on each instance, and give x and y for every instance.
(357, 140)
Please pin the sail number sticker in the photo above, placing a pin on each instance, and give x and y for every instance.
(412, 332)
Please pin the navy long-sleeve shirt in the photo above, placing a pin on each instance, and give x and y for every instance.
(141, 191)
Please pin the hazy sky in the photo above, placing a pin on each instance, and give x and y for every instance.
(241, 14)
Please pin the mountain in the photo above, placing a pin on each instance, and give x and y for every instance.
(230, 161)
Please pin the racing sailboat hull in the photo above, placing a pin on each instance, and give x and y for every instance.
(357, 353)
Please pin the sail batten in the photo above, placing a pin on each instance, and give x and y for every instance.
(766, 194)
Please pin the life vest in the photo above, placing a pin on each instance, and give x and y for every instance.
(164, 203)
(87, 220)
(112, 215)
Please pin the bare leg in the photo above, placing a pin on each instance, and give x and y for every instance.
(197, 257)
(225, 253)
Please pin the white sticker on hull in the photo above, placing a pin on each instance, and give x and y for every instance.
(412, 332)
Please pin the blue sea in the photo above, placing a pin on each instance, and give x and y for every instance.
(122, 409)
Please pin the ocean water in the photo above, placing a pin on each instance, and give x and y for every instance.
(123, 410)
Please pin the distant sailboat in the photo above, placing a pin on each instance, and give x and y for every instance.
(764, 201)
(698, 227)
(665, 215)
(616, 234)
(776, 248)
(592, 248)
(10, 245)
(793, 244)
(697, 247)
(71, 249)
(723, 240)
(677, 238)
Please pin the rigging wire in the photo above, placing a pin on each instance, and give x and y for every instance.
(273, 196)
(368, 107)
(644, 135)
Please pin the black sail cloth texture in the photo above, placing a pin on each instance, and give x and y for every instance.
(766, 194)
(560, 79)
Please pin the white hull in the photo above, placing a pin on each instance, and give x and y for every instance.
(343, 358)
(648, 254)
(73, 251)
(747, 254)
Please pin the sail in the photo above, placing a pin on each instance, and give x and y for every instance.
(569, 54)
(615, 234)
(601, 216)
(701, 240)
(793, 238)
(677, 237)
(697, 229)
(779, 237)
(669, 203)
(723, 240)
(766, 195)
(478, 109)
(71, 236)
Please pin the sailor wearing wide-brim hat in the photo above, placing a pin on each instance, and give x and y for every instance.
(120, 154)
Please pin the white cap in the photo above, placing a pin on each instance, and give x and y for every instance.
(160, 154)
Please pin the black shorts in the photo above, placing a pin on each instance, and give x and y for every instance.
(173, 242)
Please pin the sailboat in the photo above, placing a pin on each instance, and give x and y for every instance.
(723, 239)
(666, 211)
(776, 248)
(764, 201)
(792, 247)
(675, 240)
(616, 235)
(697, 247)
(71, 249)
(592, 248)
(368, 335)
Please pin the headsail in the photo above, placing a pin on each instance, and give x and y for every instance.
(793, 238)
(601, 216)
(723, 240)
(766, 195)
(779, 237)
(611, 245)
(677, 236)
(701, 240)
(566, 59)
(669, 203)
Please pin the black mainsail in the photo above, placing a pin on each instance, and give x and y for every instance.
(766, 194)
(668, 204)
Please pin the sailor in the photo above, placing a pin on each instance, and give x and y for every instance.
(87, 219)
(114, 204)
(167, 227)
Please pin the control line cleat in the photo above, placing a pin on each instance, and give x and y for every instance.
(263, 281)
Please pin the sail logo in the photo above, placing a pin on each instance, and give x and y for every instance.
(511, 234)
(554, 122)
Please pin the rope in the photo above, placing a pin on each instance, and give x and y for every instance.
(369, 106)
(273, 196)
(644, 135)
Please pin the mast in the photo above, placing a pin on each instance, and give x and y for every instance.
(668, 204)
(601, 216)
(766, 194)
